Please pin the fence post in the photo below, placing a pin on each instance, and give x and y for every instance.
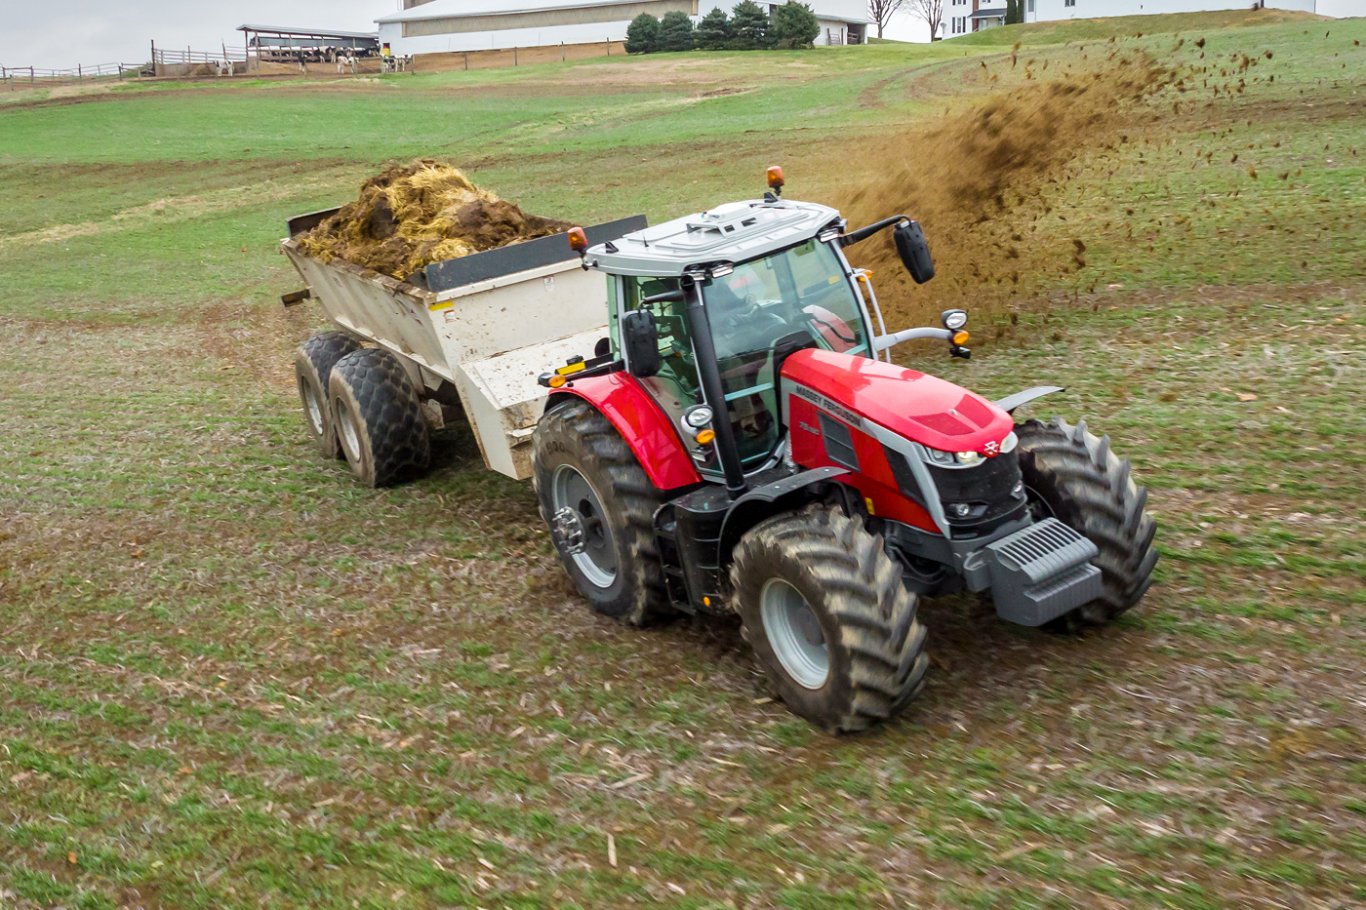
(31, 77)
(467, 61)
(79, 73)
(514, 56)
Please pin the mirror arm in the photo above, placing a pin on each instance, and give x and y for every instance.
(869, 230)
(883, 342)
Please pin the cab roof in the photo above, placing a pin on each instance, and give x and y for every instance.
(734, 232)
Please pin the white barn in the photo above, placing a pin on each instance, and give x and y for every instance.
(962, 17)
(444, 26)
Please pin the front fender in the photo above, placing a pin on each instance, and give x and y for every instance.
(1022, 398)
(770, 499)
(641, 422)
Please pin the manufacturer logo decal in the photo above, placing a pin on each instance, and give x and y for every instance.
(991, 449)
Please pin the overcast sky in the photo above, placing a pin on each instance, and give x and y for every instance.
(56, 34)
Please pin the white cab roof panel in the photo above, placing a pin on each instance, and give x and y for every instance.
(735, 232)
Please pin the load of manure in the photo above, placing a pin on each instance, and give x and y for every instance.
(410, 216)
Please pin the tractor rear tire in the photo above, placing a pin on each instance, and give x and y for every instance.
(590, 487)
(828, 616)
(1072, 476)
(378, 418)
(313, 363)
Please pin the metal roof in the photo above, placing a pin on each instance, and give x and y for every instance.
(449, 9)
(304, 32)
(735, 232)
(999, 13)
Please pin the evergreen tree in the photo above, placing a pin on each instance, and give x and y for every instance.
(794, 25)
(675, 32)
(714, 32)
(642, 35)
(749, 24)
(1014, 12)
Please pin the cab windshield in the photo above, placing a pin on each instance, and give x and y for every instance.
(799, 297)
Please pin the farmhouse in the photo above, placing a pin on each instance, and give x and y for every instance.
(962, 17)
(443, 26)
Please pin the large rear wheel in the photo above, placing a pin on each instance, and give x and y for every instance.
(313, 363)
(829, 618)
(599, 505)
(1072, 475)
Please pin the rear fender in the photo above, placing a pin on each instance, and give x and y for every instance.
(784, 495)
(641, 422)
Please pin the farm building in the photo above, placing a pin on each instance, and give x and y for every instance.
(444, 26)
(964, 16)
(269, 42)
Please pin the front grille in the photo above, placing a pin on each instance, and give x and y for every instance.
(986, 488)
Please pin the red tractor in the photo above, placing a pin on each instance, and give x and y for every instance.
(742, 443)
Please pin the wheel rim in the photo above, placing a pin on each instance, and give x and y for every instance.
(794, 631)
(346, 431)
(597, 559)
(313, 408)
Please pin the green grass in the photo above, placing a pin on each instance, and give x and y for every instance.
(229, 677)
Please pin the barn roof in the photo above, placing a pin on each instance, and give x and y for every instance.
(303, 32)
(447, 9)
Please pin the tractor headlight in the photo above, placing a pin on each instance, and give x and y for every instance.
(954, 319)
(968, 457)
(940, 457)
(698, 417)
(960, 509)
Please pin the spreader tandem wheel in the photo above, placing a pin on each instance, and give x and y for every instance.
(378, 418)
(313, 364)
(1072, 475)
(825, 609)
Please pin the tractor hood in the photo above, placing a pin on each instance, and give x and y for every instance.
(923, 408)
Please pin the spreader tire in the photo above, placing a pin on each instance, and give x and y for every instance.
(1073, 476)
(581, 464)
(827, 614)
(313, 363)
(378, 417)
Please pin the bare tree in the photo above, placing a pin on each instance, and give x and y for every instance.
(932, 11)
(882, 11)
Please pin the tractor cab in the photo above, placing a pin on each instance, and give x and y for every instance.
(767, 278)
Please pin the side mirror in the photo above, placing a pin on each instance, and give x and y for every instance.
(640, 340)
(914, 251)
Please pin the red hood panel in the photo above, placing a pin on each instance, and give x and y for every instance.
(924, 408)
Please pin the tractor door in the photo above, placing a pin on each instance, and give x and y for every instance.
(764, 310)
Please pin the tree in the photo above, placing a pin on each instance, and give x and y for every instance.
(642, 35)
(1014, 12)
(882, 12)
(714, 32)
(750, 26)
(932, 11)
(675, 32)
(794, 25)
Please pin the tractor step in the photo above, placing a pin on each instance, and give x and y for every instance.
(1041, 572)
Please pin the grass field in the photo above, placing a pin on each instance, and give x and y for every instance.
(230, 677)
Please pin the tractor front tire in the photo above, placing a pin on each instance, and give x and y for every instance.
(828, 616)
(1072, 475)
(378, 418)
(313, 363)
(599, 505)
